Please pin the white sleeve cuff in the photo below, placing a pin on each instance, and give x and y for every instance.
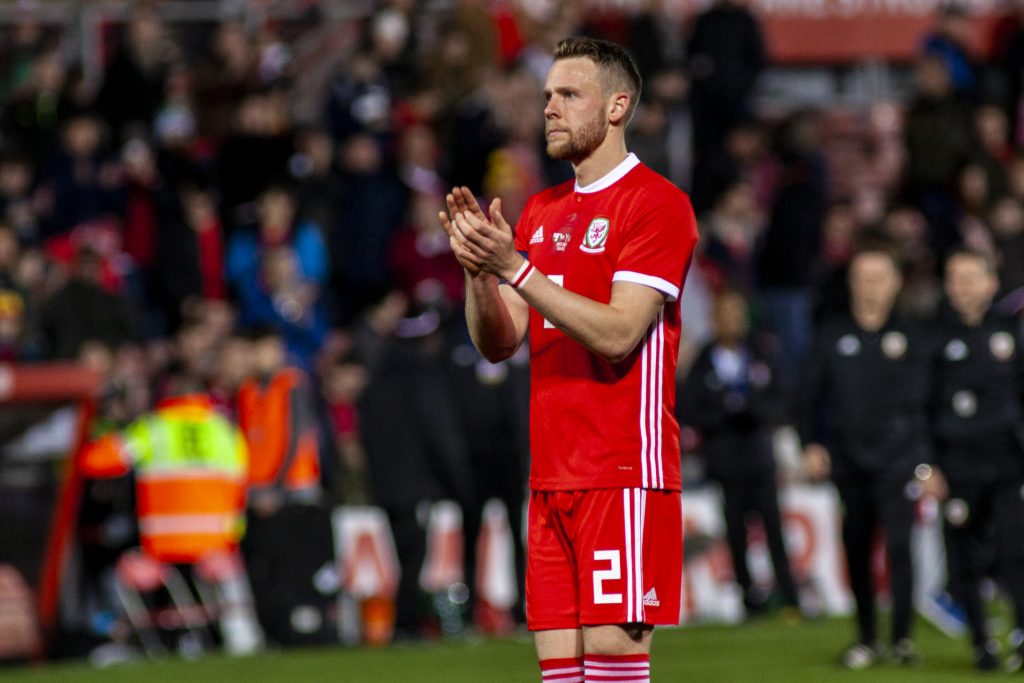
(664, 286)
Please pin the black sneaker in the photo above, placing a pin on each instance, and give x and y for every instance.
(905, 654)
(986, 656)
(860, 656)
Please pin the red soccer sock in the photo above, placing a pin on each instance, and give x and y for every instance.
(568, 670)
(617, 668)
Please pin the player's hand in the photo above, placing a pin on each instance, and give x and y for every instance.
(459, 200)
(487, 243)
(817, 462)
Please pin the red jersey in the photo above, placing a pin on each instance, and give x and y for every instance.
(596, 424)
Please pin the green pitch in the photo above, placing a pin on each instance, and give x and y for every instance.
(763, 652)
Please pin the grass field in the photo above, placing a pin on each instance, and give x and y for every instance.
(763, 652)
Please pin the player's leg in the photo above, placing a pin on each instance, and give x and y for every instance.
(766, 497)
(735, 505)
(965, 561)
(629, 549)
(1008, 514)
(552, 599)
(859, 523)
(896, 510)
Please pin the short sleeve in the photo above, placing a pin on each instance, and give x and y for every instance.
(659, 246)
(522, 237)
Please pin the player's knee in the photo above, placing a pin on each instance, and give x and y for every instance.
(617, 639)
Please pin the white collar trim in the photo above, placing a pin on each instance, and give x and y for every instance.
(613, 176)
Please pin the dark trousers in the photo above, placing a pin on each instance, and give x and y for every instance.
(985, 520)
(757, 495)
(283, 553)
(873, 503)
(410, 537)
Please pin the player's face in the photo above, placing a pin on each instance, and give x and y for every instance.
(874, 280)
(576, 120)
(969, 285)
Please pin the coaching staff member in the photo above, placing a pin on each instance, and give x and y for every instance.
(863, 422)
(978, 419)
(592, 271)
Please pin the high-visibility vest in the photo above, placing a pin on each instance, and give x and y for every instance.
(190, 468)
(265, 416)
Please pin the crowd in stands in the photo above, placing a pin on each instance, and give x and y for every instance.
(225, 177)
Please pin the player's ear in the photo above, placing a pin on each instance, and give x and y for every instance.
(618, 107)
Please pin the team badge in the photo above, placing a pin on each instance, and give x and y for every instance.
(1002, 345)
(596, 235)
(956, 350)
(957, 511)
(894, 345)
(848, 345)
(965, 403)
(760, 375)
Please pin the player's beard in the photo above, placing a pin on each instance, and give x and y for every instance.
(580, 143)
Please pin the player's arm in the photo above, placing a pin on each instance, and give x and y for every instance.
(496, 315)
(610, 330)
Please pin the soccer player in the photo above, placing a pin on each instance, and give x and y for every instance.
(592, 271)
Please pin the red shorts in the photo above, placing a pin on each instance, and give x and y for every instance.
(603, 556)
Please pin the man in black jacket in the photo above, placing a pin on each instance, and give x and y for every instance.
(862, 421)
(732, 395)
(978, 419)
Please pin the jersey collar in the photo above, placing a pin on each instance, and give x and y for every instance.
(613, 176)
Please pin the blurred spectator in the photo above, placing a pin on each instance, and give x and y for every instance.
(789, 250)
(280, 297)
(81, 178)
(1007, 222)
(289, 537)
(948, 43)
(277, 225)
(940, 140)
(359, 100)
(733, 396)
(279, 271)
(730, 232)
(371, 203)
(191, 248)
(224, 78)
(18, 205)
(82, 310)
(425, 271)
(416, 451)
(725, 56)
(38, 106)
(133, 85)
(311, 167)
(344, 383)
(254, 156)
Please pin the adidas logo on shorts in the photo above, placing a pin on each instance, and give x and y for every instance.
(651, 599)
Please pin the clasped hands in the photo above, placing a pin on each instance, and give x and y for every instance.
(481, 245)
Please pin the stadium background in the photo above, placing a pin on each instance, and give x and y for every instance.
(137, 139)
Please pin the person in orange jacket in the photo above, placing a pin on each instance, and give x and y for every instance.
(289, 545)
